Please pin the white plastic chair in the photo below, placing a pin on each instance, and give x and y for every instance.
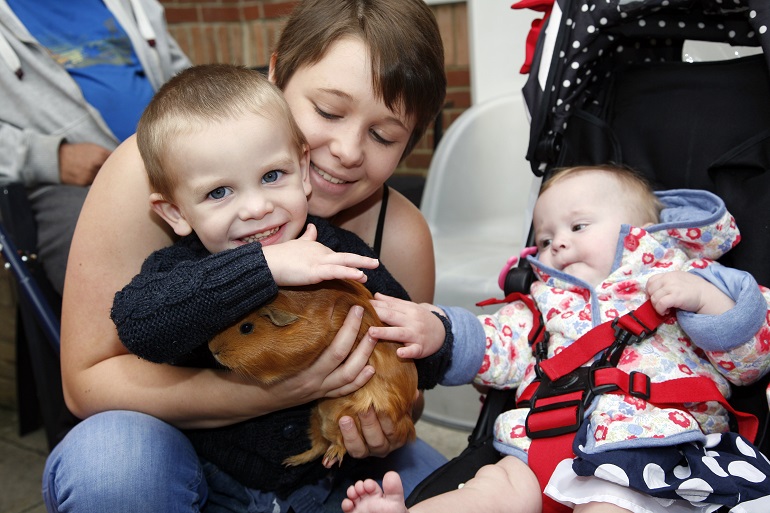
(477, 202)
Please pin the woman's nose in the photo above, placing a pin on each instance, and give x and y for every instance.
(347, 147)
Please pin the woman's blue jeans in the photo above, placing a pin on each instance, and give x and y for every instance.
(123, 461)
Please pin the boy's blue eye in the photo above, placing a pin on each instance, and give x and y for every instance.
(272, 176)
(219, 193)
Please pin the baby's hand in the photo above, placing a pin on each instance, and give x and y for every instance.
(412, 324)
(304, 261)
(686, 291)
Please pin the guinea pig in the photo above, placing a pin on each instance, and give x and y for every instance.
(290, 333)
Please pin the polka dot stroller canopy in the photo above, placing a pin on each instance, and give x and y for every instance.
(578, 44)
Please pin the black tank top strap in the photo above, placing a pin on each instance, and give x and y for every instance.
(381, 221)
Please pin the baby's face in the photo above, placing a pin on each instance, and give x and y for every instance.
(577, 223)
(240, 181)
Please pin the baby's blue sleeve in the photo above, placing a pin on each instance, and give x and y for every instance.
(734, 327)
(468, 348)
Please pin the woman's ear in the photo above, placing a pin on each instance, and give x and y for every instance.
(271, 67)
(304, 164)
(170, 213)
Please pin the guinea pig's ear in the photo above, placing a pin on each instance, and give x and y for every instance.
(277, 316)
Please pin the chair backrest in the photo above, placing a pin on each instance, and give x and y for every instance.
(479, 183)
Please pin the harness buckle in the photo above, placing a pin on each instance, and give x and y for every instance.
(557, 406)
(554, 419)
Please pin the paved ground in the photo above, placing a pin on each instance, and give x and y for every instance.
(21, 465)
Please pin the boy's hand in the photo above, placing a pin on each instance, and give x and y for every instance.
(304, 261)
(686, 291)
(421, 332)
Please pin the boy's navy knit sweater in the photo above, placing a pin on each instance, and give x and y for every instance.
(184, 295)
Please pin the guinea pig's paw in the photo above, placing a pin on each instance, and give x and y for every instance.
(333, 456)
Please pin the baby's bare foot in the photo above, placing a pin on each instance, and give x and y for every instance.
(368, 497)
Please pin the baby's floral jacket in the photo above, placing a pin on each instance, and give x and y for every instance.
(694, 231)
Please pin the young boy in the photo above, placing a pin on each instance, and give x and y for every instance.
(603, 251)
(228, 168)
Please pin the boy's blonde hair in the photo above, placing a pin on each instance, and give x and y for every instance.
(648, 206)
(404, 45)
(200, 96)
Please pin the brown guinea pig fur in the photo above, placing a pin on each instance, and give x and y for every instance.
(290, 333)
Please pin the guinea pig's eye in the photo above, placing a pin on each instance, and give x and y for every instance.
(246, 328)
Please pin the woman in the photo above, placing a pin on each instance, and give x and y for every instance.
(364, 79)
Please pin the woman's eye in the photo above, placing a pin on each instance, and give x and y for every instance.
(272, 176)
(325, 114)
(220, 192)
(380, 139)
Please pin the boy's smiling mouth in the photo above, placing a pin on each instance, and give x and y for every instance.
(326, 176)
(259, 236)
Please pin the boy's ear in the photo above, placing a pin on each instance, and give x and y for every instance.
(271, 67)
(304, 164)
(170, 213)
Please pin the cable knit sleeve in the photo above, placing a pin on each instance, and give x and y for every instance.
(183, 297)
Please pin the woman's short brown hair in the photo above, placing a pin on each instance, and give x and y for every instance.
(403, 40)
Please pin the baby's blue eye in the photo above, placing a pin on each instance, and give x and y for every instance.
(219, 193)
(272, 176)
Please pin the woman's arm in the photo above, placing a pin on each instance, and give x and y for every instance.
(115, 233)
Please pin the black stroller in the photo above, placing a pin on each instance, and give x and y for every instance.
(615, 81)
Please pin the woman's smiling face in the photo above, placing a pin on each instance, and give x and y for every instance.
(355, 141)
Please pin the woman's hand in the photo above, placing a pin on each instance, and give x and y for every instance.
(337, 372)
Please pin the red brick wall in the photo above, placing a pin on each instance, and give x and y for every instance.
(244, 32)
